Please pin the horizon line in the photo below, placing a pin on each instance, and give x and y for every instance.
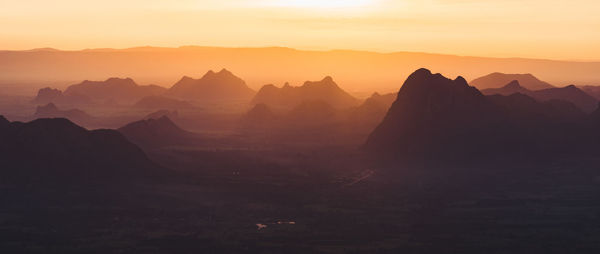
(52, 49)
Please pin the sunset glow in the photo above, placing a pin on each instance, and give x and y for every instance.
(565, 30)
(320, 3)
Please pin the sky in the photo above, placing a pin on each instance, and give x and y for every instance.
(558, 29)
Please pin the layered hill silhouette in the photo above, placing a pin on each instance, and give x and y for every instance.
(110, 91)
(592, 90)
(156, 132)
(52, 111)
(51, 95)
(220, 86)
(124, 90)
(372, 110)
(289, 96)
(162, 102)
(435, 118)
(497, 79)
(259, 117)
(274, 65)
(570, 93)
(174, 114)
(56, 151)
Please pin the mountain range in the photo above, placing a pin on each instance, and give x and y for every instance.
(52, 111)
(357, 70)
(497, 79)
(570, 93)
(110, 91)
(289, 96)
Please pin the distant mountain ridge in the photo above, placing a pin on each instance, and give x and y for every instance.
(121, 90)
(212, 87)
(497, 79)
(353, 69)
(288, 96)
(52, 111)
(156, 132)
(570, 93)
(110, 91)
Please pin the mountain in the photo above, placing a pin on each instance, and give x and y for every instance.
(511, 88)
(156, 132)
(277, 65)
(51, 111)
(47, 95)
(570, 93)
(221, 86)
(595, 116)
(592, 90)
(51, 95)
(114, 90)
(57, 151)
(162, 102)
(525, 107)
(372, 110)
(496, 80)
(260, 117)
(435, 118)
(287, 96)
(160, 113)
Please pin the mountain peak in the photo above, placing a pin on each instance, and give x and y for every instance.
(428, 102)
(513, 85)
(461, 81)
(571, 87)
(327, 79)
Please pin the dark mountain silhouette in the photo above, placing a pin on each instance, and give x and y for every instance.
(570, 93)
(51, 111)
(162, 102)
(56, 151)
(4, 123)
(50, 95)
(117, 90)
(156, 132)
(288, 96)
(221, 86)
(435, 118)
(591, 90)
(595, 116)
(496, 80)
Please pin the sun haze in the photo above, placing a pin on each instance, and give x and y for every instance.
(565, 30)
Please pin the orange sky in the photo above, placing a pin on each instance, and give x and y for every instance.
(505, 28)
